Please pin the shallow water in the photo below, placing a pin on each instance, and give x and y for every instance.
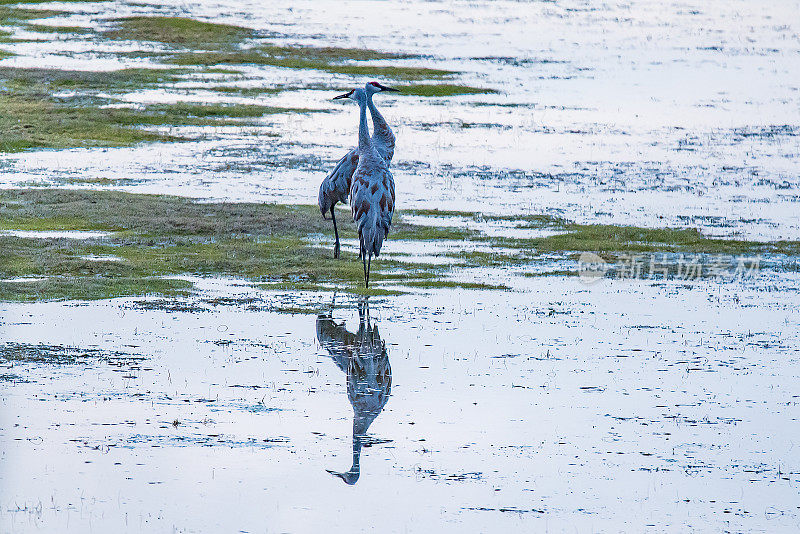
(562, 407)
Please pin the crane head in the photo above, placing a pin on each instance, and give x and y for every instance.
(356, 95)
(375, 87)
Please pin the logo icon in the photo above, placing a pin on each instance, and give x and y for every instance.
(591, 267)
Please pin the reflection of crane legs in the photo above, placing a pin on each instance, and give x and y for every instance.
(363, 311)
(364, 359)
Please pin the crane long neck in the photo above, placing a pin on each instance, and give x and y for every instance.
(364, 141)
(379, 124)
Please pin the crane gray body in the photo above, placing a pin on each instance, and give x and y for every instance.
(371, 191)
(336, 186)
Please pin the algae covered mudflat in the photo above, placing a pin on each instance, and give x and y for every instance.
(152, 238)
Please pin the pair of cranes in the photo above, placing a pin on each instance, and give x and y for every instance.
(363, 175)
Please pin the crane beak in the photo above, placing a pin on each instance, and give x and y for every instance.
(349, 477)
(384, 88)
(346, 95)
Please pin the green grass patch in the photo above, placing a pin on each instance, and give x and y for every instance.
(94, 180)
(33, 118)
(434, 90)
(91, 288)
(158, 236)
(439, 284)
(178, 31)
(220, 70)
(44, 28)
(11, 221)
(44, 82)
(256, 57)
(29, 122)
(325, 53)
(187, 113)
(10, 15)
(612, 238)
(441, 213)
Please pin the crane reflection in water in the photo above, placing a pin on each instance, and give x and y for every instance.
(363, 358)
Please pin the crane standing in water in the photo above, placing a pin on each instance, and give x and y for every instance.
(371, 190)
(335, 187)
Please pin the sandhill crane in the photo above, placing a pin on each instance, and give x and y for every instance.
(336, 186)
(364, 360)
(371, 190)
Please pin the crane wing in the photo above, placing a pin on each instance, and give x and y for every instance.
(336, 186)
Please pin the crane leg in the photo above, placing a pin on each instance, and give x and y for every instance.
(364, 261)
(369, 267)
(336, 232)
